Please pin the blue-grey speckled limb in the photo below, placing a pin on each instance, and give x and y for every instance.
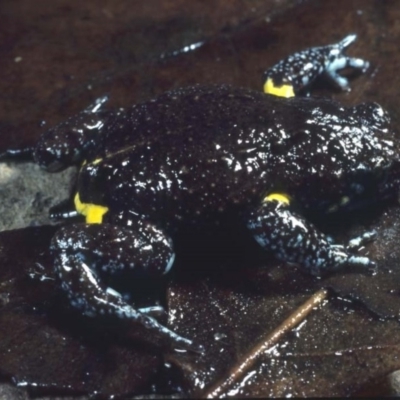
(299, 70)
(83, 252)
(296, 241)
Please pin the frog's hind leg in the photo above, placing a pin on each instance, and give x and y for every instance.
(83, 252)
(294, 240)
(297, 72)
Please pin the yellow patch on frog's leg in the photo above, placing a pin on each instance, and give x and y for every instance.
(281, 91)
(93, 212)
(280, 197)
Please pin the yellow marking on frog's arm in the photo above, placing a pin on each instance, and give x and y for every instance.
(280, 197)
(281, 91)
(93, 212)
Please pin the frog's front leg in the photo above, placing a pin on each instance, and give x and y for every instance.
(298, 71)
(85, 252)
(64, 210)
(20, 154)
(294, 240)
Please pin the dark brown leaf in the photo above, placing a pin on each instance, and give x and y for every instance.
(55, 59)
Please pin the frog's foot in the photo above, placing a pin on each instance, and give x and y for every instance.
(297, 72)
(85, 252)
(296, 241)
(344, 258)
(356, 243)
(335, 60)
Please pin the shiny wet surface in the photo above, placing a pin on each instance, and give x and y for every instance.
(55, 59)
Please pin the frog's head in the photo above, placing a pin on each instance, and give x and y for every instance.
(68, 143)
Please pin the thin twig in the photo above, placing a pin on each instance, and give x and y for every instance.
(251, 357)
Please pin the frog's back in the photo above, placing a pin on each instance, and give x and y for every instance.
(190, 117)
(203, 150)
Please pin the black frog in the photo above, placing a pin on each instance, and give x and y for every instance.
(194, 154)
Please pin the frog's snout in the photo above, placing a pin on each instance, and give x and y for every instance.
(59, 148)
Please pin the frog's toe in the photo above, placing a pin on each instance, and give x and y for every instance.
(357, 63)
(341, 81)
(176, 340)
(363, 262)
(343, 255)
(359, 241)
(154, 311)
(347, 41)
(343, 260)
(339, 62)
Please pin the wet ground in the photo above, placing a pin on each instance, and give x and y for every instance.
(56, 57)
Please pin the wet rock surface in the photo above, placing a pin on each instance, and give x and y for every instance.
(226, 296)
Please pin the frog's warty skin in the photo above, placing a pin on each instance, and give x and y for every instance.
(194, 155)
(113, 249)
(293, 239)
(198, 156)
(298, 71)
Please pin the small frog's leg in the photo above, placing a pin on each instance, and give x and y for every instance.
(295, 73)
(294, 240)
(85, 252)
